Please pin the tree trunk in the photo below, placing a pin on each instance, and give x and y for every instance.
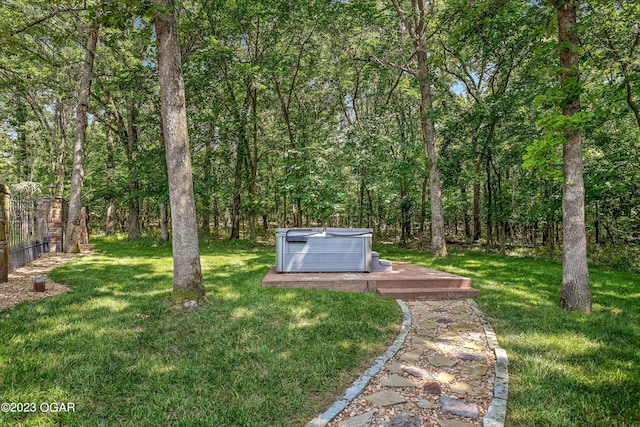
(237, 192)
(22, 154)
(188, 286)
(438, 240)
(109, 223)
(164, 222)
(134, 228)
(133, 211)
(489, 200)
(252, 155)
(71, 243)
(58, 151)
(576, 290)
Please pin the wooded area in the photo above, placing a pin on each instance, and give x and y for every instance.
(333, 113)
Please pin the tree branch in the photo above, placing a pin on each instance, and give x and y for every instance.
(385, 63)
(58, 10)
(403, 19)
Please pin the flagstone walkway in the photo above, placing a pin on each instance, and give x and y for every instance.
(445, 369)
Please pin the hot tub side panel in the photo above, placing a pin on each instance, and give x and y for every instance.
(347, 251)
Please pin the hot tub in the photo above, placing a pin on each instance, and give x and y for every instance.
(323, 250)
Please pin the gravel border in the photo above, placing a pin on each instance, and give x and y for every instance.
(359, 385)
(497, 412)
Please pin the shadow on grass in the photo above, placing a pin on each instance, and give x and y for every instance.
(251, 356)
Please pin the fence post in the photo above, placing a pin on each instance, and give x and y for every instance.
(51, 210)
(5, 200)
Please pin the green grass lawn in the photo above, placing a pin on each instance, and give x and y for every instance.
(251, 357)
(566, 368)
(269, 357)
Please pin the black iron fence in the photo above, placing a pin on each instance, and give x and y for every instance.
(28, 235)
(24, 234)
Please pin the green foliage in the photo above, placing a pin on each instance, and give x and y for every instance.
(305, 101)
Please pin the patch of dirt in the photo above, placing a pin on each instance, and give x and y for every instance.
(19, 288)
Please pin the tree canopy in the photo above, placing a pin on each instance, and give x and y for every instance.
(310, 113)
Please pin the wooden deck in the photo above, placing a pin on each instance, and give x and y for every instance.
(406, 281)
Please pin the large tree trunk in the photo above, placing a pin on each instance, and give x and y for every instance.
(71, 243)
(576, 290)
(188, 286)
(438, 240)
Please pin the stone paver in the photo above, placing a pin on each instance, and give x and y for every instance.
(444, 378)
(386, 398)
(396, 380)
(474, 371)
(411, 356)
(453, 423)
(459, 407)
(441, 361)
(405, 419)
(363, 420)
(432, 388)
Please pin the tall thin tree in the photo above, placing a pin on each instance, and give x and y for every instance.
(188, 286)
(71, 243)
(417, 31)
(576, 290)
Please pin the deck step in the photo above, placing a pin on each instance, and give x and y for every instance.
(427, 293)
(449, 282)
(405, 281)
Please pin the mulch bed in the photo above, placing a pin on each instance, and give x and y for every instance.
(19, 288)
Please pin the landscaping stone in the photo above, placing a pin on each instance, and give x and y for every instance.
(416, 372)
(363, 420)
(432, 388)
(428, 324)
(501, 388)
(472, 346)
(471, 357)
(453, 423)
(386, 398)
(395, 368)
(429, 333)
(464, 318)
(463, 327)
(475, 336)
(405, 419)
(459, 407)
(474, 371)
(423, 343)
(461, 388)
(426, 404)
(501, 356)
(495, 416)
(412, 356)
(445, 321)
(440, 361)
(398, 381)
(444, 378)
(502, 371)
